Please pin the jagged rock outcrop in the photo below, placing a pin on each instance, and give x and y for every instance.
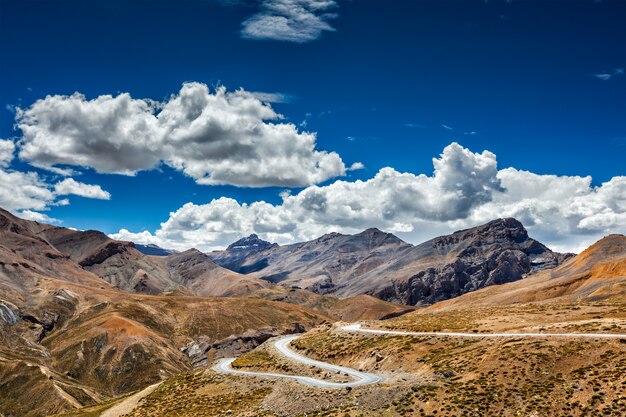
(9, 312)
(597, 273)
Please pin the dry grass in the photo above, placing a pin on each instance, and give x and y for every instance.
(203, 394)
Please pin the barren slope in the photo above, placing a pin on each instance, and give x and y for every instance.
(69, 339)
(109, 342)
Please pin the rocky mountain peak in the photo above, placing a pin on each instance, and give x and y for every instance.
(250, 243)
(372, 232)
(507, 227)
(493, 253)
(504, 231)
(327, 236)
(377, 236)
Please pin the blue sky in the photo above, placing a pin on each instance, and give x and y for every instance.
(540, 84)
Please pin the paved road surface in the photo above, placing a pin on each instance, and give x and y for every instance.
(358, 328)
(362, 378)
(282, 345)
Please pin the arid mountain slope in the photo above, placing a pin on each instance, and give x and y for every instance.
(68, 338)
(25, 257)
(196, 272)
(123, 266)
(380, 264)
(118, 263)
(598, 273)
(75, 344)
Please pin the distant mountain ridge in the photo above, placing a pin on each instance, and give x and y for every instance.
(154, 250)
(321, 260)
(381, 264)
(92, 258)
(117, 262)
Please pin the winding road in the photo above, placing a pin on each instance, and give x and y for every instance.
(356, 328)
(281, 344)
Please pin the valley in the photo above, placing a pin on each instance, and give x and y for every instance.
(94, 326)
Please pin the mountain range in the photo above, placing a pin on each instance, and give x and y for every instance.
(380, 264)
(85, 318)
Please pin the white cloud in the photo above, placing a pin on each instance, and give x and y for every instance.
(7, 150)
(70, 186)
(38, 217)
(603, 76)
(566, 212)
(26, 193)
(356, 166)
(606, 76)
(290, 20)
(110, 134)
(23, 191)
(216, 138)
(466, 189)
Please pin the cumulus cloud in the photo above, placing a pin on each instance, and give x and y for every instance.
(567, 212)
(38, 217)
(465, 189)
(7, 150)
(290, 20)
(214, 137)
(70, 186)
(26, 193)
(356, 166)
